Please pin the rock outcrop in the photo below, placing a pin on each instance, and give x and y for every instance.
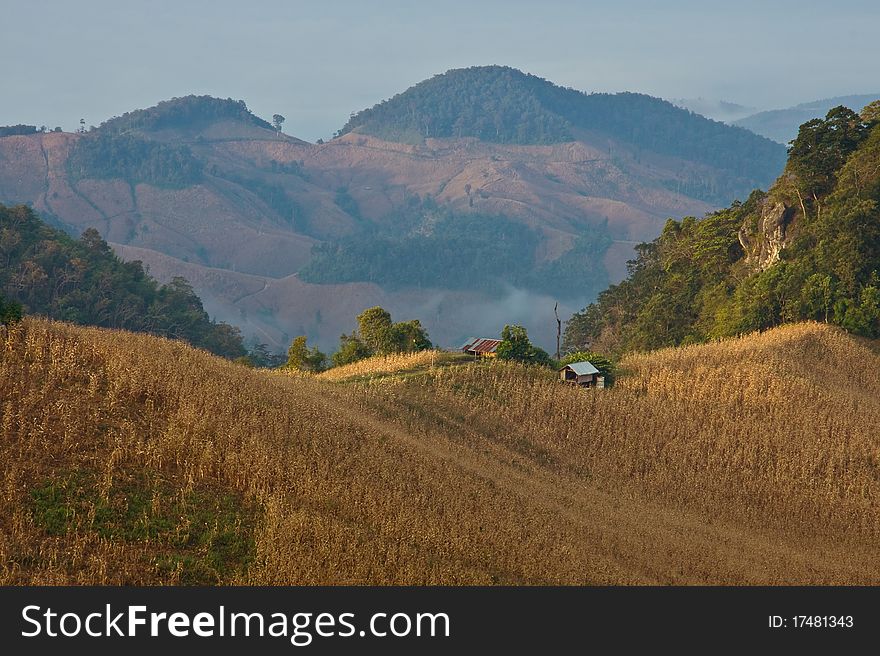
(765, 242)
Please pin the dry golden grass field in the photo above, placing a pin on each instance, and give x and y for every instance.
(399, 364)
(128, 459)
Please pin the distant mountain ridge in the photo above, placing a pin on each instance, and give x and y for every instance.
(503, 105)
(717, 110)
(781, 125)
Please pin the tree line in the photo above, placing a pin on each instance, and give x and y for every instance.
(376, 334)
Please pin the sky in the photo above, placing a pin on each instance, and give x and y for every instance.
(316, 62)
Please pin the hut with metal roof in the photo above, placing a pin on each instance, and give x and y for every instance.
(583, 374)
(481, 347)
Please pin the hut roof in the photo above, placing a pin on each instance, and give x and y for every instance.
(582, 368)
(481, 345)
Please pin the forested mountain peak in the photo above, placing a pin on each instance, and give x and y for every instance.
(152, 145)
(504, 105)
(188, 112)
(493, 103)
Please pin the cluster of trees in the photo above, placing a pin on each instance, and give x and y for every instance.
(296, 167)
(504, 105)
(271, 193)
(259, 355)
(300, 356)
(376, 334)
(21, 129)
(10, 312)
(458, 252)
(696, 281)
(82, 281)
(822, 148)
(105, 155)
(578, 272)
(515, 345)
(14, 130)
(184, 113)
(432, 247)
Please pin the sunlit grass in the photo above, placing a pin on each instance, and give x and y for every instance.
(129, 459)
(384, 365)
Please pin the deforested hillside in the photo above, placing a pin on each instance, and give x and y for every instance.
(133, 459)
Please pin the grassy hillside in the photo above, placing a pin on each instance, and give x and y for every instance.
(133, 459)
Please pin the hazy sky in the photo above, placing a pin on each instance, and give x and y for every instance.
(315, 62)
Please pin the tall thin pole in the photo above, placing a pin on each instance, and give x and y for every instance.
(558, 327)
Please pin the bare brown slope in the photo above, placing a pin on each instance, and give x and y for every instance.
(214, 223)
(474, 474)
(557, 189)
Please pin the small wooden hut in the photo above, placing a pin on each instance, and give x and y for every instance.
(481, 347)
(583, 374)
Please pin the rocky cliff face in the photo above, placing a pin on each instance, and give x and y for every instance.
(764, 242)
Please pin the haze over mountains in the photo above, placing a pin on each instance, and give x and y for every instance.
(717, 110)
(473, 199)
(782, 124)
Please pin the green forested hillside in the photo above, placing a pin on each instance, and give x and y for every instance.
(83, 282)
(706, 278)
(133, 159)
(433, 247)
(504, 105)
